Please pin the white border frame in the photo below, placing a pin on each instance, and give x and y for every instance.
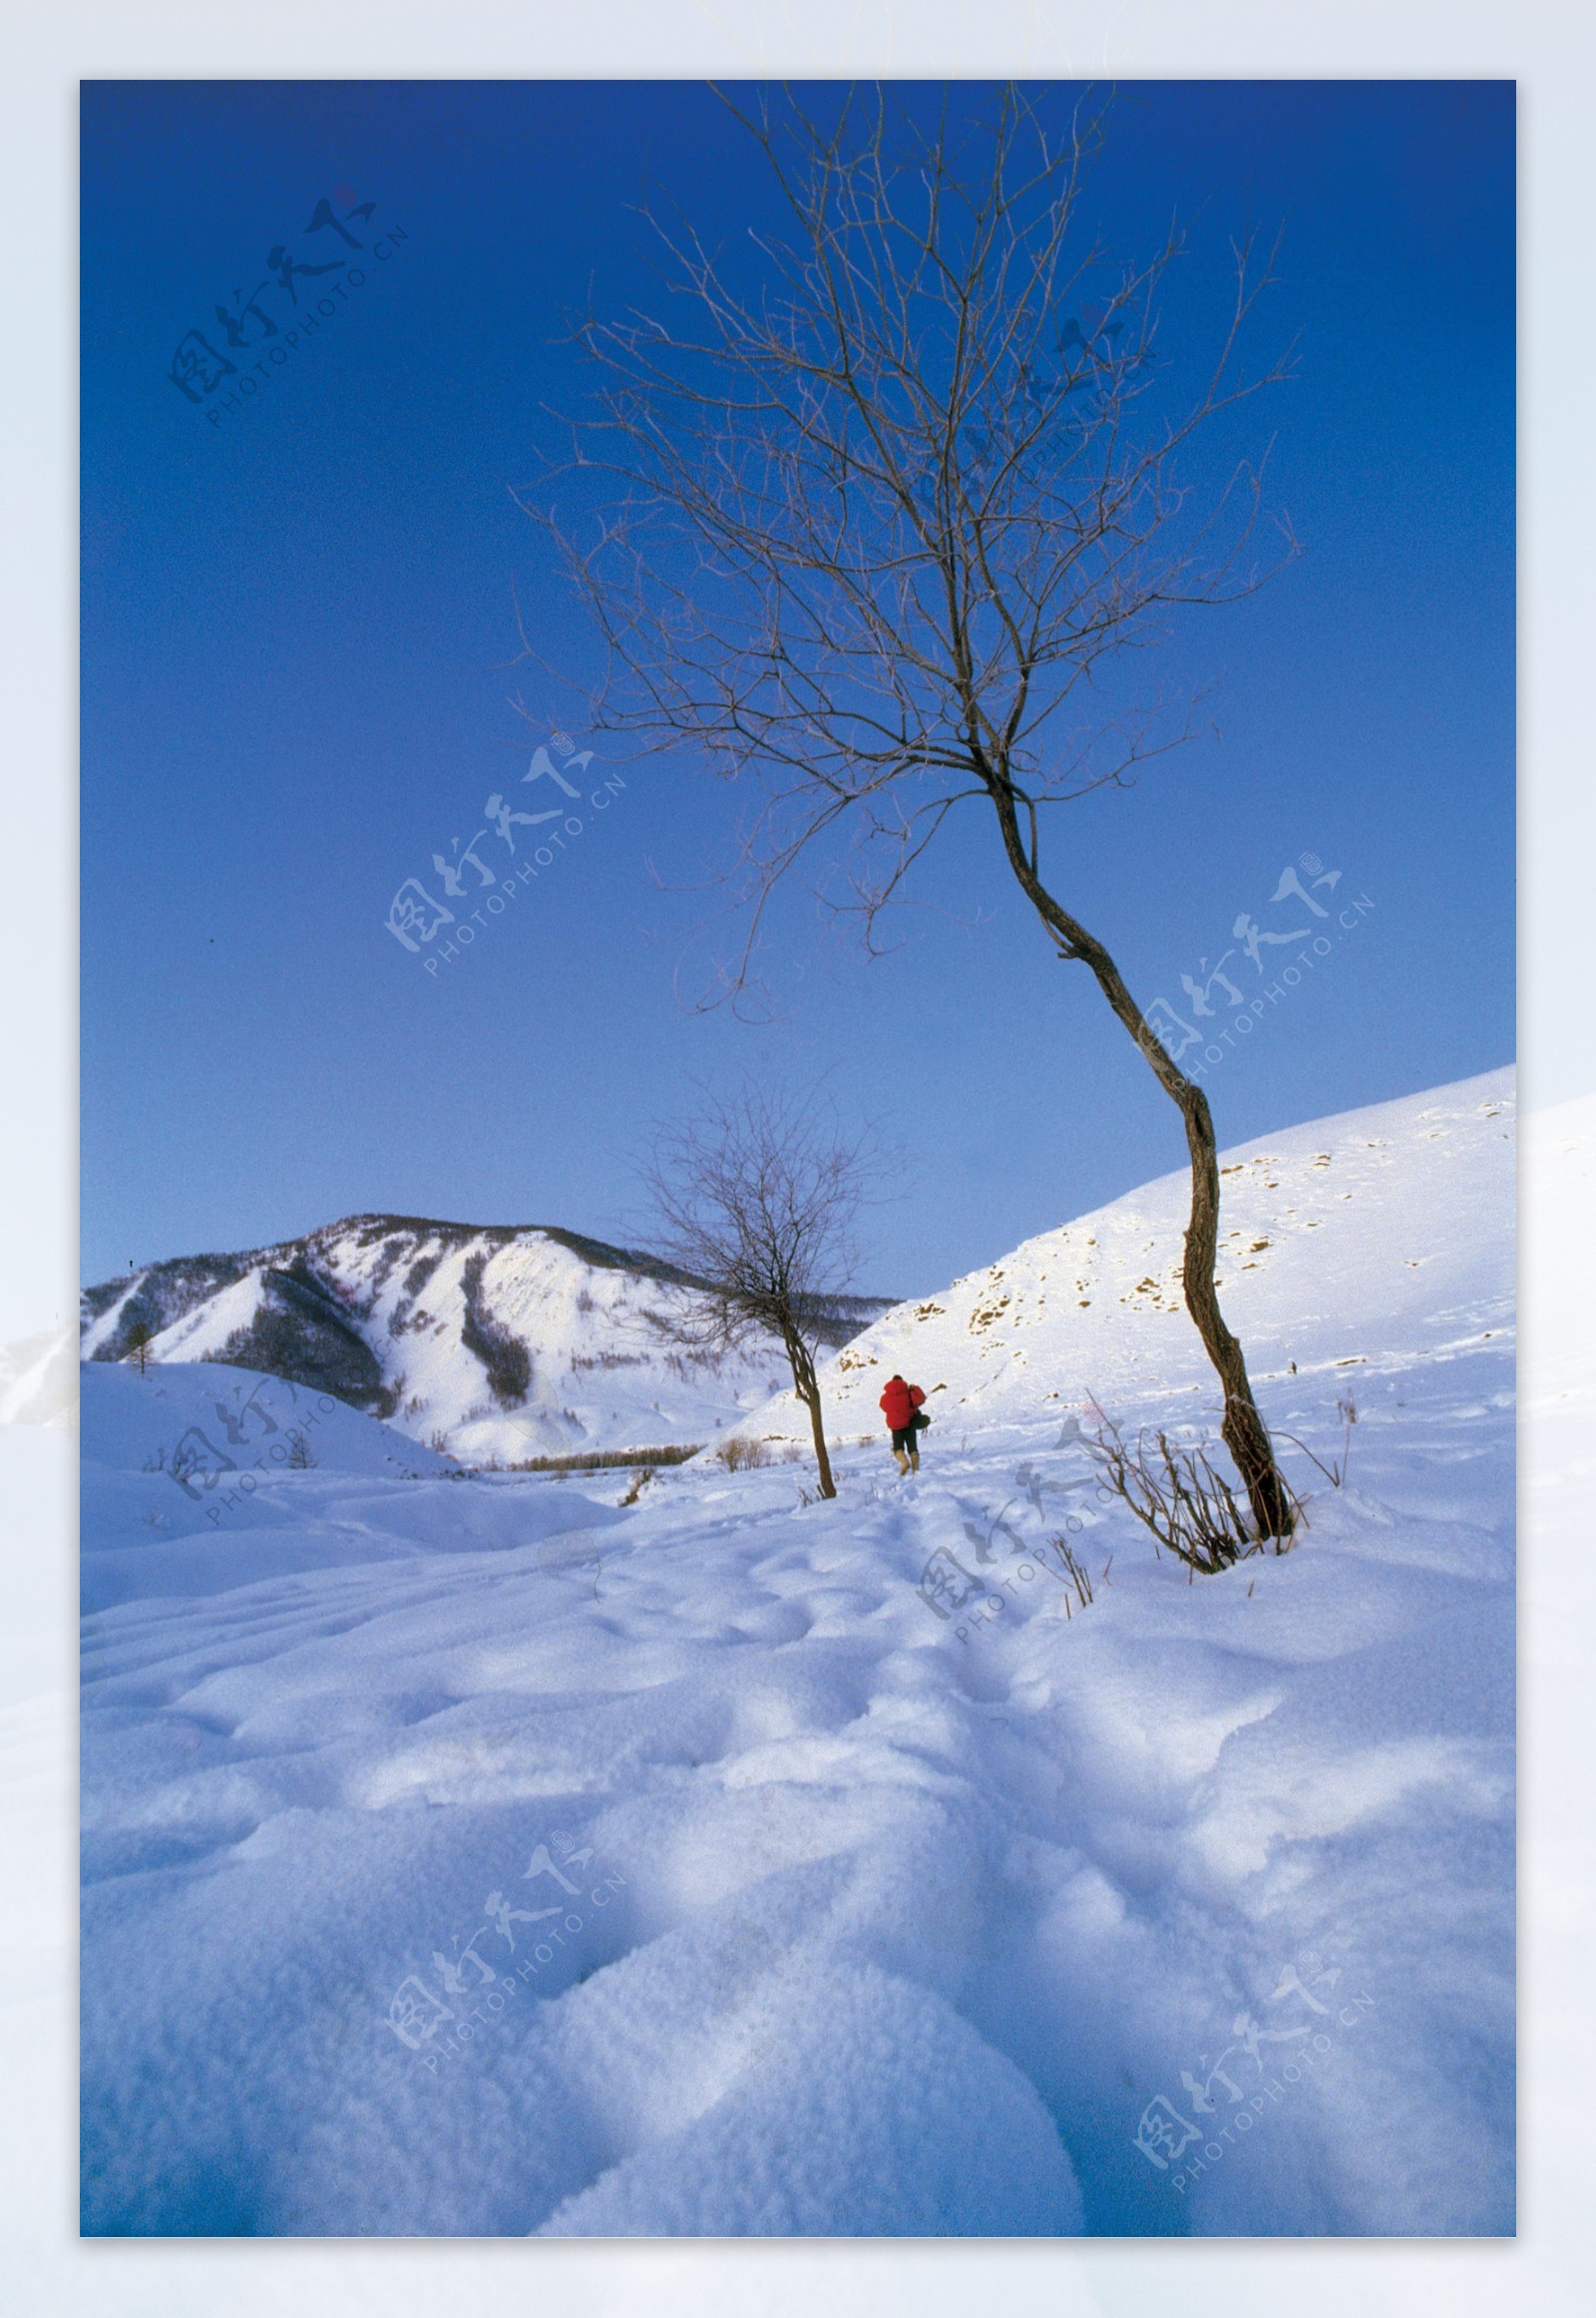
(1549, 50)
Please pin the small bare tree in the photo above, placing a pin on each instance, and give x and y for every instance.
(140, 1337)
(879, 504)
(758, 1199)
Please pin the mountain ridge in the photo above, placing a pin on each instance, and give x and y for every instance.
(487, 1340)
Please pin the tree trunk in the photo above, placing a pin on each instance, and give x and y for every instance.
(1242, 1428)
(807, 1386)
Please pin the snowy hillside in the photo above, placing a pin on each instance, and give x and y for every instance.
(197, 1478)
(1338, 1249)
(577, 1854)
(494, 1343)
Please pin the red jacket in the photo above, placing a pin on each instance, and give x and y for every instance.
(899, 1403)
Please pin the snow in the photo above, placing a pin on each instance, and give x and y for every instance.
(389, 1306)
(155, 1524)
(1337, 1249)
(866, 1919)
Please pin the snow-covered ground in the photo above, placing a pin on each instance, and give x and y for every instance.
(483, 1855)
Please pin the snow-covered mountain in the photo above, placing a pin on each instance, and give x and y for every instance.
(494, 1343)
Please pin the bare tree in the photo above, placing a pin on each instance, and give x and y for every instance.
(758, 1199)
(140, 1337)
(875, 513)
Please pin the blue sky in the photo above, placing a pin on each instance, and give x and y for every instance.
(299, 625)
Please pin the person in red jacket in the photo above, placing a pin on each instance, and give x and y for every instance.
(899, 1405)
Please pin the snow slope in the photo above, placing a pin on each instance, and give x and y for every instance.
(1338, 1249)
(191, 1482)
(496, 1343)
(517, 1861)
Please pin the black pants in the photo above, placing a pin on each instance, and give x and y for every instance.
(906, 1436)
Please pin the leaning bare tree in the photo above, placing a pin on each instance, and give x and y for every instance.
(871, 516)
(758, 1200)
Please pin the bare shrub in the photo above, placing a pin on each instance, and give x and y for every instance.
(1178, 1493)
(1076, 1578)
(645, 1475)
(1336, 1472)
(741, 1456)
